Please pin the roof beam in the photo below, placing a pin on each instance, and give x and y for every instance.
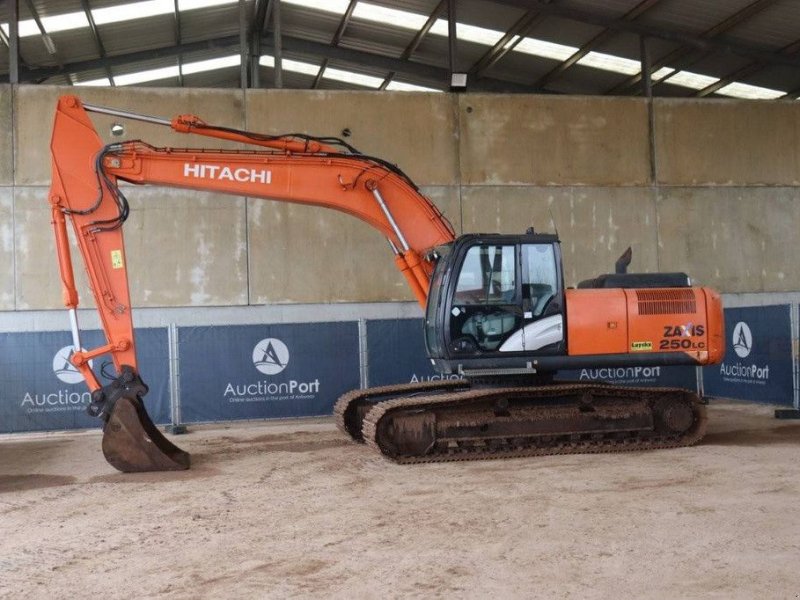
(435, 75)
(597, 40)
(452, 36)
(390, 64)
(744, 71)
(13, 44)
(98, 43)
(343, 23)
(277, 46)
(43, 73)
(417, 39)
(46, 39)
(734, 20)
(261, 12)
(793, 95)
(681, 37)
(262, 9)
(337, 37)
(244, 46)
(709, 35)
(176, 24)
(506, 44)
(15, 59)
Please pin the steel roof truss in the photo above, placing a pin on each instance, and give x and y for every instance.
(596, 41)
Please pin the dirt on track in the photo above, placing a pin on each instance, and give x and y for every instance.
(292, 509)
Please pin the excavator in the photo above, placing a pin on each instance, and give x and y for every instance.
(497, 311)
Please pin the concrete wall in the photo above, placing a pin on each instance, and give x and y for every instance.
(711, 190)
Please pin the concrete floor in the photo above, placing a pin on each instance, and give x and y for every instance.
(291, 509)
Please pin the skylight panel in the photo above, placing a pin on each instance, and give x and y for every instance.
(388, 16)
(149, 75)
(750, 92)
(662, 73)
(294, 66)
(196, 4)
(65, 22)
(338, 7)
(469, 33)
(608, 62)
(222, 62)
(691, 80)
(111, 14)
(353, 78)
(134, 10)
(297, 66)
(102, 82)
(369, 81)
(399, 86)
(551, 50)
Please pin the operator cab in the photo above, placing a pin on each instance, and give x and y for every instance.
(496, 300)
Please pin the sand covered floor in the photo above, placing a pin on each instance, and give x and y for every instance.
(292, 509)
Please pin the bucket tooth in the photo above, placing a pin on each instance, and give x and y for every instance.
(132, 443)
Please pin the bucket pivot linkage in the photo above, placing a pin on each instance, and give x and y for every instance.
(131, 442)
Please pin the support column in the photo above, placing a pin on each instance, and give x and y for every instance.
(244, 46)
(13, 42)
(451, 34)
(278, 50)
(647, 92)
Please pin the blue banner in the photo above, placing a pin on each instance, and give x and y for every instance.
(265, 371)
(758, 357)
(40, 390)
(396, 353)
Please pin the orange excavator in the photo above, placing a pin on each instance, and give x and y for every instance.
(496, 308)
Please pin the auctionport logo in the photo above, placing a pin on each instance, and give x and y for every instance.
(270, 356)
(742, 340)
(63, 400)
(64, 369)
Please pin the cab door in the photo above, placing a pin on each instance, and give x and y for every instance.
(486, 306)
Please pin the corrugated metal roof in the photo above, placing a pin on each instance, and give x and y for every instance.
(692, 16)
(775, 27)
(673, 28)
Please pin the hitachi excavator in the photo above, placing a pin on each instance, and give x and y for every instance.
(496, 308)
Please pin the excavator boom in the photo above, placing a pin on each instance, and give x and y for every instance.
(300, 169)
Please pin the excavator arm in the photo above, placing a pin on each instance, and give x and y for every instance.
(296, 168)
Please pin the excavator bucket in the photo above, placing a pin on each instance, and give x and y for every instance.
(132, 443)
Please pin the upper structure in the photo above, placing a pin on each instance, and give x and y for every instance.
(737, 48)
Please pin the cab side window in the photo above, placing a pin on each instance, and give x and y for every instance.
(540, 278)
(488, 276)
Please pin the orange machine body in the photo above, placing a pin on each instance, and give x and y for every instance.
(617, 326)
(84, 191)
(644, 321)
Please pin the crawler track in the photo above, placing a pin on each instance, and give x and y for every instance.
(476, 424)
(352, 407)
